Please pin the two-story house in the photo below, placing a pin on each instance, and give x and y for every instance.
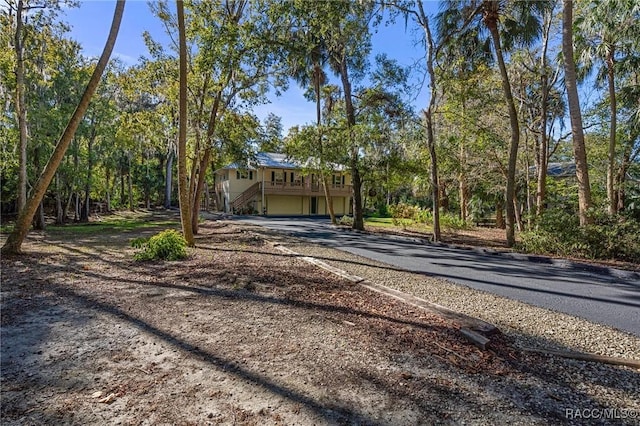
(273, 185)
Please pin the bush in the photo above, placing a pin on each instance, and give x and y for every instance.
(452, 221)
(403, 211)
(608, 237)
(167, 245)
(346, 221)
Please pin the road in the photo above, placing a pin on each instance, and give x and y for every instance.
(609, 297)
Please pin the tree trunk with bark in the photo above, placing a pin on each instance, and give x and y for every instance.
(579, 150)
(183, 187)
(21, 107)
(356, 179)
(86, 209)
(428, 114)
(168, 184)
(611, 173)
(515, 136)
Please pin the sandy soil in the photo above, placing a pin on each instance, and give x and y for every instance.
(241, 334)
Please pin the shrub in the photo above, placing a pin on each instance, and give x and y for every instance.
(452, 221)
(608, 237)
(346, 221)
(424, 216)
(403, 211)
(167, 245)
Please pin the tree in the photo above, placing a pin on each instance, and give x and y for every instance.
(183, 187)
(230, 68)
(306, 61)
(580, 152)
(430, 59)
(25, 217)
(604, 39)
(508, 23)
(345, 29)
(40, 17)
(271, 139)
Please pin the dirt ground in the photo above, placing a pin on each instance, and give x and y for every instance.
(242, 334)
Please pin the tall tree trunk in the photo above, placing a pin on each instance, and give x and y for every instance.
(16, 238)
(38, 222)
(579, 150)
(542, 154)
(543, 149)
(123, 199)
(168, 178)
(107, 194)
(325, 184)
(515, 137)
(428, 113)
(21, 107)
(130, 183)
(500, 214)
(611, 173)
(463, 186)
(84, 217)
(356, 179)
(59, 210)
(183, 188)
(197, 193)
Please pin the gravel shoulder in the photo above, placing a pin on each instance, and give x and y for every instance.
(241, 334)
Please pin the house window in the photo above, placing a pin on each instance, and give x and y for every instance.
(338, 180)
(277, 176)
(244, 174)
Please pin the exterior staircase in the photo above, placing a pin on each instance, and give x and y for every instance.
(244, 198)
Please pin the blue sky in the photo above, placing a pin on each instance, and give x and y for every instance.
(90, 25)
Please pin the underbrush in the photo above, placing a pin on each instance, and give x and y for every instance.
(405, 215)
(167, 245)
(608, 237)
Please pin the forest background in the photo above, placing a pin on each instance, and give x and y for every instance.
(453, 111)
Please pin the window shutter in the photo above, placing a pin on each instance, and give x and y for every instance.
(238, 174)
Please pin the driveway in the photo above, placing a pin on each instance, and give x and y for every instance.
(602, 295)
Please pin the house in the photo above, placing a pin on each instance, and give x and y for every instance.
(274, 185)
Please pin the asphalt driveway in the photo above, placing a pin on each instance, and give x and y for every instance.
(602, 295)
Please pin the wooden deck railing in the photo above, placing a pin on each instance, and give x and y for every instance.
(287, 188)
(307, 188)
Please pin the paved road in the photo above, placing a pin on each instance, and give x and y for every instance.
(608, 297)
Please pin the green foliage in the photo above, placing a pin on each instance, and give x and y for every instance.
(167, 245)
(346, 221)
(404, 211)
(115, 225)
(452, 221)
(139, 242)
(608, 237)
(407, 214)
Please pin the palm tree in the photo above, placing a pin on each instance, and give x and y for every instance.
(602, 40)
(25, 217)
(508, 23)
(183, 186)
(309, 56)
(580, 153)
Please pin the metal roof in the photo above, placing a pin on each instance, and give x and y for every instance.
(273, 160)
(558, 170)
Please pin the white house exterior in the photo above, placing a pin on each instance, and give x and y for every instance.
(273, 185)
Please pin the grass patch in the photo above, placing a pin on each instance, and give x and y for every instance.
(379, 221)
(110, 226)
